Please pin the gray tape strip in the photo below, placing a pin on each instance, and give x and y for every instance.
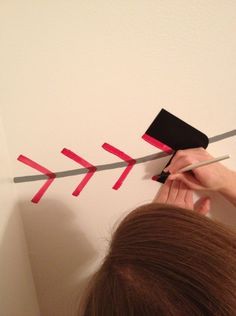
(115, 165)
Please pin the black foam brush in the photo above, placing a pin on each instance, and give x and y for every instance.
(169, 133)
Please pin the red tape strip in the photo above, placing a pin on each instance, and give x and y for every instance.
(124, 157)
(157, 143)
(91, 169)
(43, 170)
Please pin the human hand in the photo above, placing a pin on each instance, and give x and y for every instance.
(214, 177)
(178, 194)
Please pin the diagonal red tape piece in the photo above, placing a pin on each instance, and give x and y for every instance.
(131, 162)
(91, 169)
(43, 170)
(157, 143)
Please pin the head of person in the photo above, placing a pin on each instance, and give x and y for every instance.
(165, 261)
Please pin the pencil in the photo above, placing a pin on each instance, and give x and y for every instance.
(203, 163)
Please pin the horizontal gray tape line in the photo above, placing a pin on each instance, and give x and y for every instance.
(115, 165)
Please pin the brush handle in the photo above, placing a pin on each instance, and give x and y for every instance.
(203, 163)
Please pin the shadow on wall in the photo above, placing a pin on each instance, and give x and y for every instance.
(59, 254)
(17, 292)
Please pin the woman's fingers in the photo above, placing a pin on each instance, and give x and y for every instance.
(179, 199)
(188, 179)
(163, 193)
(202, 206)
(185, 196)
(181, 192)
(180, 163)
(186, 157)
(173, 192)
(178, 193)
(189, 198)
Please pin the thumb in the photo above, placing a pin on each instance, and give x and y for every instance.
(202, 206)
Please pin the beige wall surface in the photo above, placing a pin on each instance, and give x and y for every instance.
(17, 290)
(76, 74)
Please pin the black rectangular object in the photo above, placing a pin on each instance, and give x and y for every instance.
(175, 133)
(171, 132)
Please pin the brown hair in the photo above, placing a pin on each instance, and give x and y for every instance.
(166, 261)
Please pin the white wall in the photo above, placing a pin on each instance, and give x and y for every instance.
(80, 73)
(17, 291)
